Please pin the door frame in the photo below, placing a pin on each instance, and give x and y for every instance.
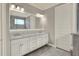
(5, 29)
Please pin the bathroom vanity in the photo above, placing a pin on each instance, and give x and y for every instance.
(26, 41)
(26, 32)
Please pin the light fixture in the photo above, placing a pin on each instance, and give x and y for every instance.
(12, 6)
(22, 9)
(39, 15)
(18, 8)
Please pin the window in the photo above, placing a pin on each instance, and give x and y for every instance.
(19, 21)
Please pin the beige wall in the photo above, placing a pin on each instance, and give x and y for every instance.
(49, 13)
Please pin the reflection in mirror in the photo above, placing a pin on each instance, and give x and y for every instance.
(26, 20)
(19, 22)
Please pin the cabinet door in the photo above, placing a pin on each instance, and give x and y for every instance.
(24, 46)
(40, 40)
(15, 48)
(44, 39)
(33, 43)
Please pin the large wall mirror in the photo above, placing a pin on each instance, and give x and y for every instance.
(25, 20)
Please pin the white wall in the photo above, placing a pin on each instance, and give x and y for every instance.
(64, 25)
(50, 26)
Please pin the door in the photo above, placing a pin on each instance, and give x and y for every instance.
(0, 29)
(63, 26)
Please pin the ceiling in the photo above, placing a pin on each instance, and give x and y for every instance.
(43, 6)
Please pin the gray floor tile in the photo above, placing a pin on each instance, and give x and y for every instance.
(48, 51)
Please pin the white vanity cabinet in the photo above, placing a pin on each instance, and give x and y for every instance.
(27, 44)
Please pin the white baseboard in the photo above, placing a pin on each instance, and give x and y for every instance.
(51, 45)
(57, 47)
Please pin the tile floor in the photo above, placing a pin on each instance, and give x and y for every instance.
(49, 51)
